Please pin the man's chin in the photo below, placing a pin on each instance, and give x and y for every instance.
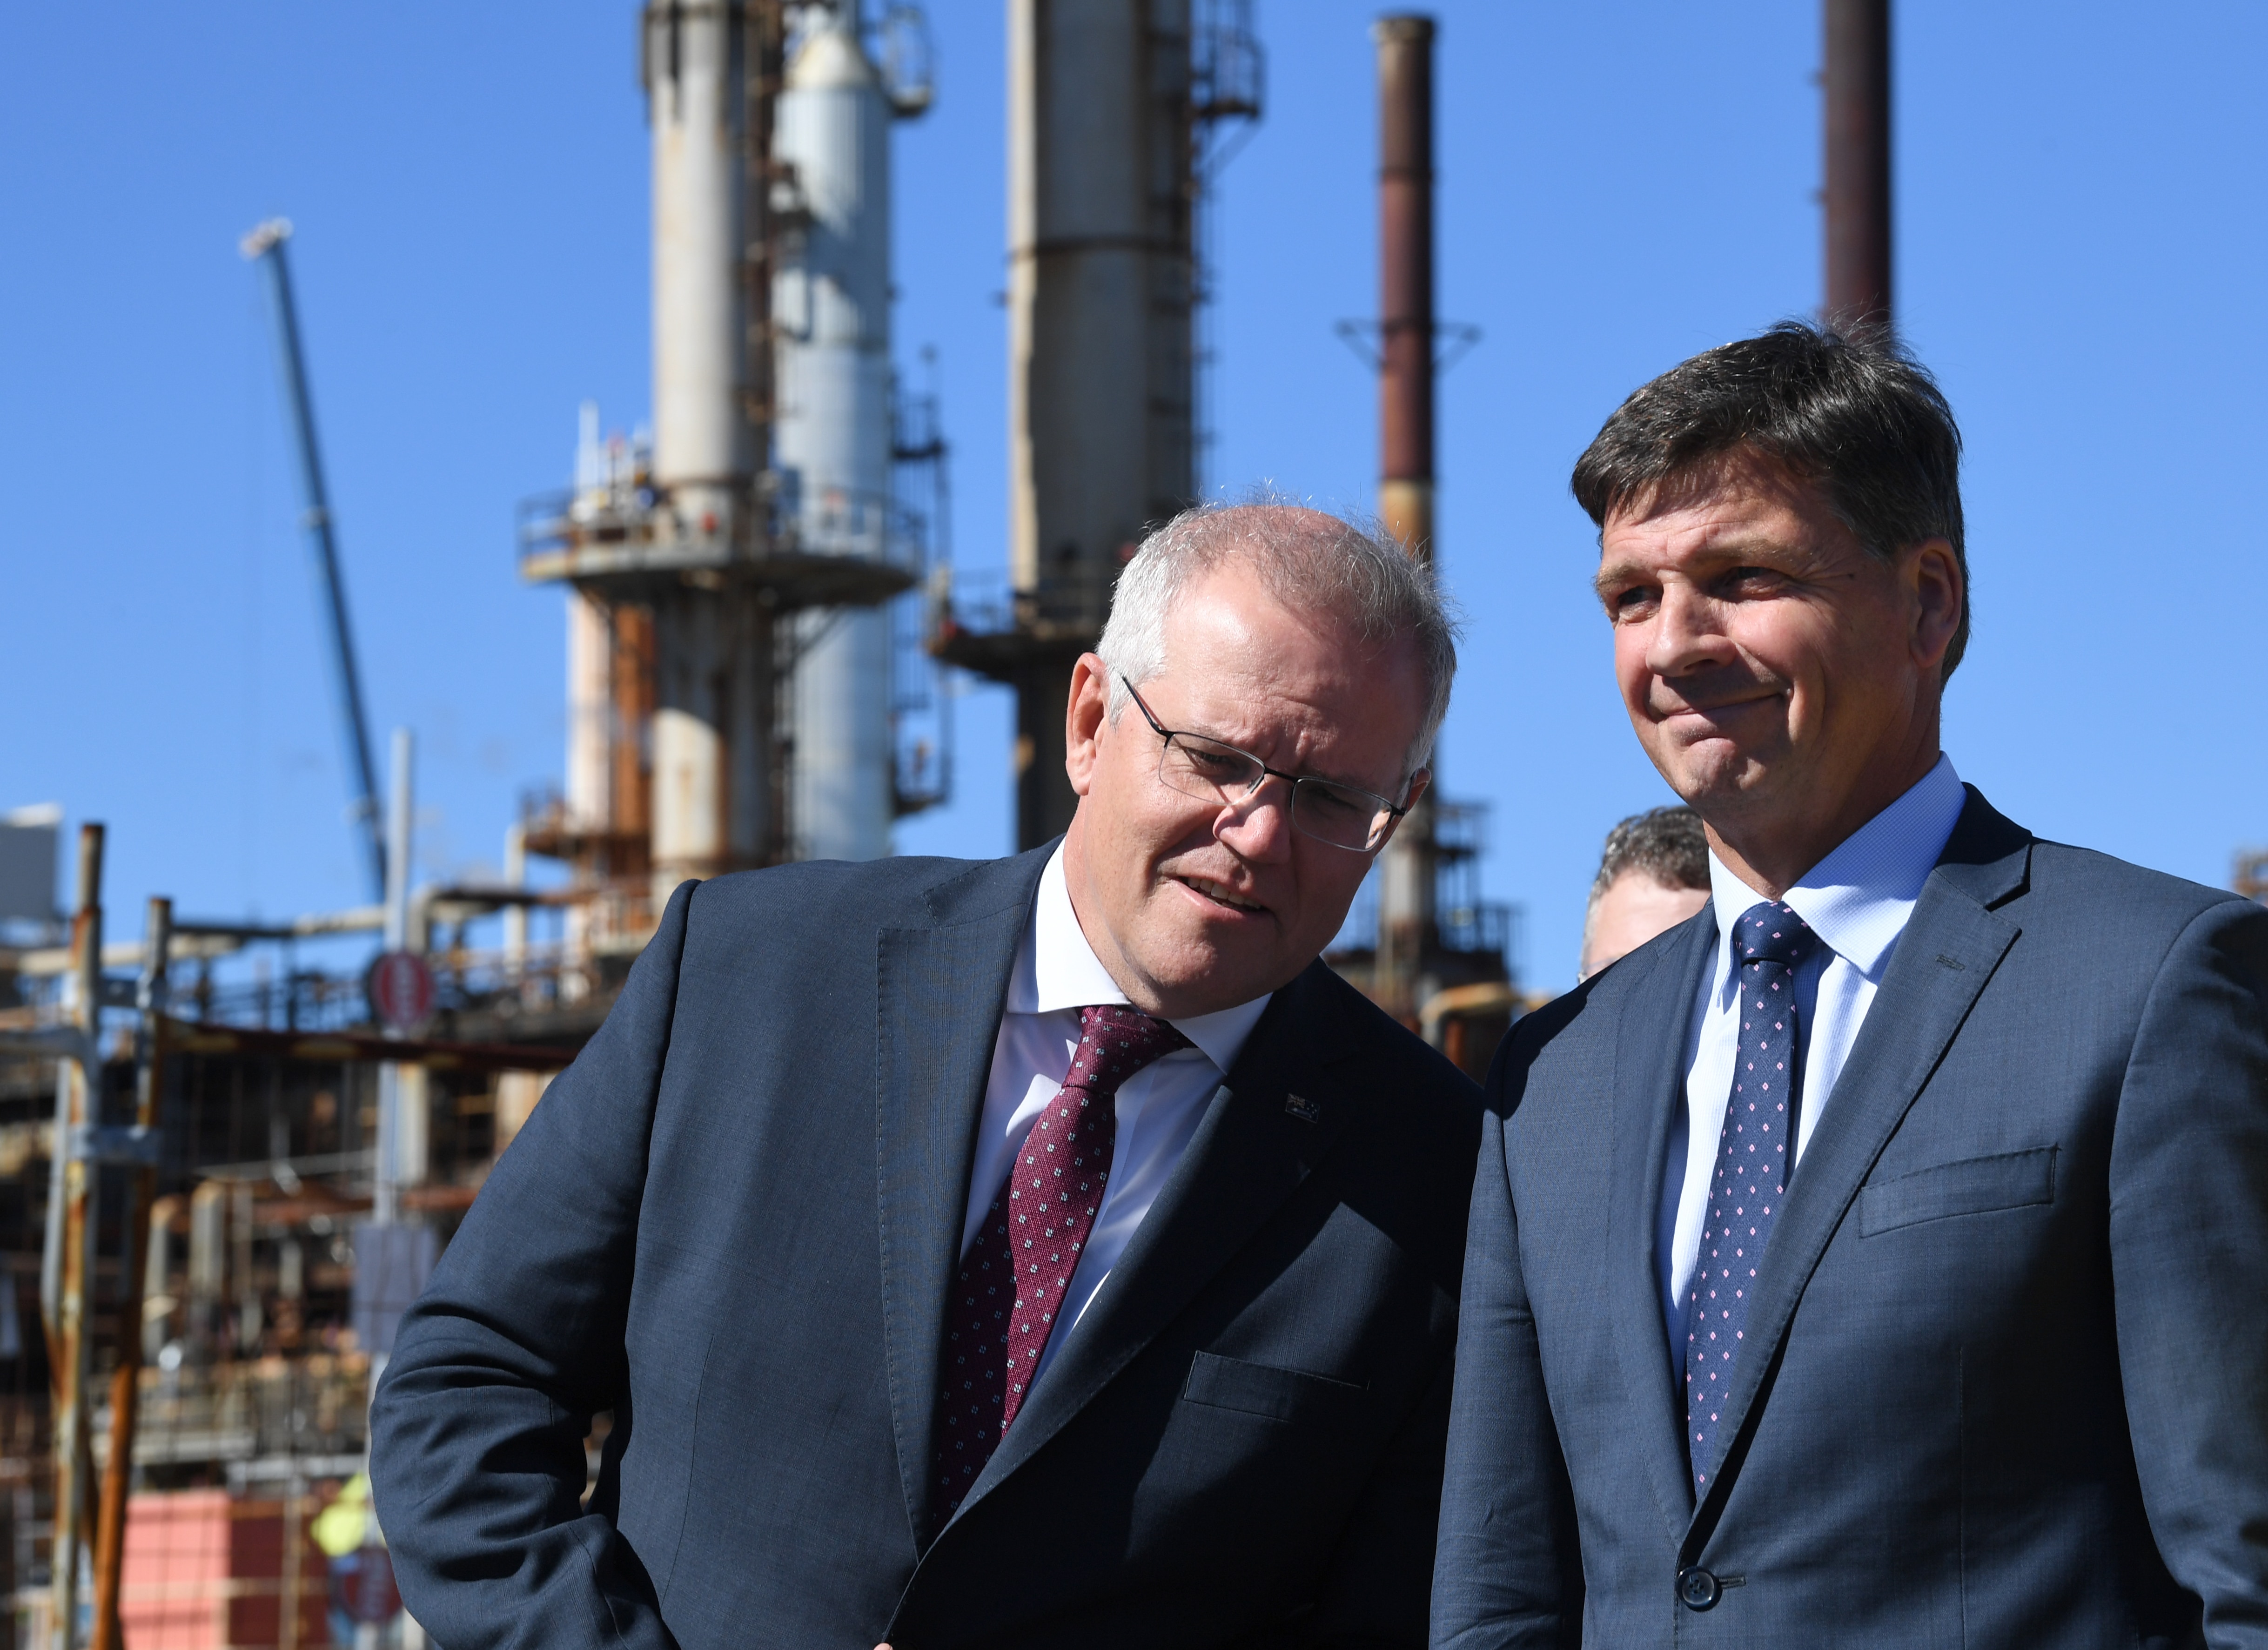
(1206, 974)
(1716, 773)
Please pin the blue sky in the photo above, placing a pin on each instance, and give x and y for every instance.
(2080, 240)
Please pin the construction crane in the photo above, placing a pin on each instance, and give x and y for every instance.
(264, 245)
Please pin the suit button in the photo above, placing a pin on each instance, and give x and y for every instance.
(1697, 1590)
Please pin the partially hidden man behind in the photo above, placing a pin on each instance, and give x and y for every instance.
(1653, 874)
(1044, 1251)
(1880, 1257)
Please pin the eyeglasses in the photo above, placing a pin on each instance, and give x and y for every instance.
(1343, 815)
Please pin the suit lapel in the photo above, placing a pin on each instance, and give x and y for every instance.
(1649, 1092)
(940, 991)
(1950, 947)
(1249, 1154)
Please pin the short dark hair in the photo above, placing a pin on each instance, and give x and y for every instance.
(1666, 843)
(1845, 407)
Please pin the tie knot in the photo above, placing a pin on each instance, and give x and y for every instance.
(1769, 932)
(1115, 1041)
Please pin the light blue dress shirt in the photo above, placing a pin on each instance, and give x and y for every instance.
(1857, 900)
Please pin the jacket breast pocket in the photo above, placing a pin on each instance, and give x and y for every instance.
(1263, 1389)
(1975, 1185)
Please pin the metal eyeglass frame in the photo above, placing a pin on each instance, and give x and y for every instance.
(1168, 735)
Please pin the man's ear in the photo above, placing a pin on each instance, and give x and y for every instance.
(1932, 579)
(1085, 715)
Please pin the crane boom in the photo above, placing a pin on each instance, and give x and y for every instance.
(264, 245)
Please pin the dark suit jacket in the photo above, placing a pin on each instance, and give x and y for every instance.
(734, 1220)
(2007, 1378)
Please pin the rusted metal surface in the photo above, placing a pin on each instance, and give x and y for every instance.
(1405, 439)
(125, 1382)
(186, 1037)
(1405, 278)
(1857, 80)
(71, 1246)
(631, 684)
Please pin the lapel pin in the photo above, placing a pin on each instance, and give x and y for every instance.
(1305, 1109)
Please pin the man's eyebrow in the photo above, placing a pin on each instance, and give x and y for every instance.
(1732, 550)
(1613, 573)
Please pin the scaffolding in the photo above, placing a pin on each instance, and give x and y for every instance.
(190, 1175)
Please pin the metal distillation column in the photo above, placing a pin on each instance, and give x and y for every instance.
(1101, 375)
(831, 426)
(712, 802)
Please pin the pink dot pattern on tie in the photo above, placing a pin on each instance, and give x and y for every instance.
(1770, 942)
(1013, 1280)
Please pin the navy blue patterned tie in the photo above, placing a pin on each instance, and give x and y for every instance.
(1754, 1155)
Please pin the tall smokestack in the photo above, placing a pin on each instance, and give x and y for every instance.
(1405, 279)
(1406, 920)
(1858, 194)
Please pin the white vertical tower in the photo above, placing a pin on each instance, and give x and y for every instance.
(712, 790)
(831, 429)
(757, 528)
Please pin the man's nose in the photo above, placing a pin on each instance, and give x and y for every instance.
(1685, 636)
(1258, 826)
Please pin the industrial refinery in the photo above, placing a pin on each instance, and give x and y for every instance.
(232, 1150)
(250, 1169)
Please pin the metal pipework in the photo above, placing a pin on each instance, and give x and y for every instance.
(72, 1222)
(264, 245)
(1856, 82)
(125, 1382)
(1405, 279)
(400, 814)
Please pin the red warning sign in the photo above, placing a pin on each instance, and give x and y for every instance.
(400, 987)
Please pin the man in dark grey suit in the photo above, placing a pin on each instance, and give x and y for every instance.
(1880, 1257)
(1045, 1251)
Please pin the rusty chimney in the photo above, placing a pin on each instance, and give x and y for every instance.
(1857, 81)
(1406, 924)
(1405, 283)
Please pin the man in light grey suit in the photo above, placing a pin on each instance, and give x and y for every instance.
(1880, 1257)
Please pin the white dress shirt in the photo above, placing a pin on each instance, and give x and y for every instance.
(1057, 974)
(1857, 900)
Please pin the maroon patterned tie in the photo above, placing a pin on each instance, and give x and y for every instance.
(1013, 1280)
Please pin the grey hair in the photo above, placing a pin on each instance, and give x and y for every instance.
(1309, 560)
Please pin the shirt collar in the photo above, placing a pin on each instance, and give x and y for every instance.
(1056, 969)
(1857, 898)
